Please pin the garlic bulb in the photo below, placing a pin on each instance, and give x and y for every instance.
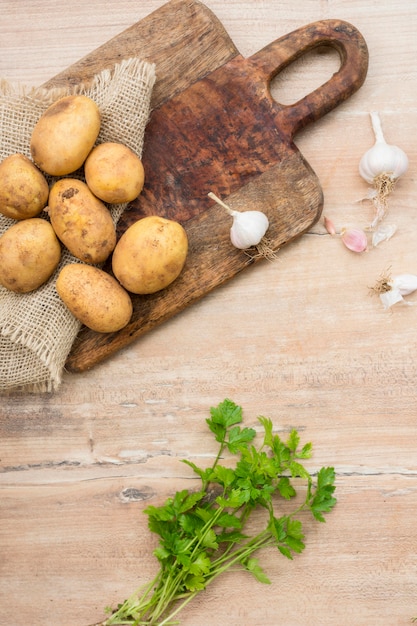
(382, 158)
(248, 227)
(381, 166)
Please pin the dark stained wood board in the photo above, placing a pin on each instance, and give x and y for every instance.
(215, 127)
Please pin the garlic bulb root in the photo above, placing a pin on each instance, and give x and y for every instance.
(382, 285)
(384, 186)
(381, 166)
(264, 249)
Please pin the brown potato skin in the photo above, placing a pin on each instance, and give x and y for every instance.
(114, 173)
(150, 254)
(29, 255)
(64, 135)
(94, 297)
(23, 188)
(81, 221)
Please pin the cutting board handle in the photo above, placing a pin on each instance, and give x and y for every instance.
(276, 56)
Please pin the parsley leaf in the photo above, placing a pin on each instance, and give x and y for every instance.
(252, 566)
(224, 416)
(323, 500)
(239, 437)
(203, 533)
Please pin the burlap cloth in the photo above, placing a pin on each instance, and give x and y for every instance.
(36, 329)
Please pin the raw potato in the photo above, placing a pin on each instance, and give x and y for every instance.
(150, 254)
(81, 221)
(29, 255)
(23, 188)
(94, 297)
(65, 134)
(114, 173)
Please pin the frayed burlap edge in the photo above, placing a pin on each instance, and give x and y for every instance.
(36, 330)
(142, 70)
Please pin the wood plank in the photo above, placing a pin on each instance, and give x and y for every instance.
(300, 340)
(115, 548)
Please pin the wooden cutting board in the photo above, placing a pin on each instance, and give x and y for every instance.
(215, 127)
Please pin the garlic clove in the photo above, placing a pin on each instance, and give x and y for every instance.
(248, 228)
(355, 239)
(404, 283)
(329, 225)
(392, 291)
(383, 233)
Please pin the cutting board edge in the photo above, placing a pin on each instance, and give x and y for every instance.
(218, 42)
(79, 361)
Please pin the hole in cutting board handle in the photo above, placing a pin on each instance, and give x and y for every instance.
(305, 74)
(277, 56)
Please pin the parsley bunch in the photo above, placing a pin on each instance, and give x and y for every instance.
(202, 533)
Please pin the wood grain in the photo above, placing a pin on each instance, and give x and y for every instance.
(183, 38)
(223, 133)
(300, 340)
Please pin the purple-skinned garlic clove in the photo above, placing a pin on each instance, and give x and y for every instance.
(355, 239)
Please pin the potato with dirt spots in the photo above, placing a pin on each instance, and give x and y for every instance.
(114, 173)
(94, 297)
(150, 254)
(29, 255)
(64, 135)
(23, 188)
(81, 221)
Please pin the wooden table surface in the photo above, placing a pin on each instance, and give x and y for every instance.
(300, 340)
